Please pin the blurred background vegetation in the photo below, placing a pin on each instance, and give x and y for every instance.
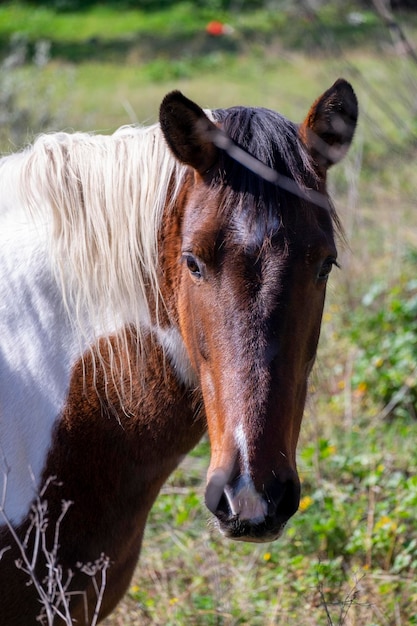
(350, 554)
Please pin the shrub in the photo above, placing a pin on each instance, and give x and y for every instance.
(385, 329)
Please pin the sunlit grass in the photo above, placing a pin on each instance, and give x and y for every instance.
(105, 22)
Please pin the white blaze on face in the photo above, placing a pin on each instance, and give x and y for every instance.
(242, 444)
(245, 501)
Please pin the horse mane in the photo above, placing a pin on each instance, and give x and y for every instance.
(106, 196)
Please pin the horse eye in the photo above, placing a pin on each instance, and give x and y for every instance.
(326, 268)
(193, 266)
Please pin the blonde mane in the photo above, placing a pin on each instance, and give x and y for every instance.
(105, 196)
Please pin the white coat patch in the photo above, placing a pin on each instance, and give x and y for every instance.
(37, 351)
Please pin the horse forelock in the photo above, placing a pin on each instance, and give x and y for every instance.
(274, 141)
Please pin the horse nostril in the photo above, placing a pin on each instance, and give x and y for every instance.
(283, 499)
(215, 497)
(223, 510)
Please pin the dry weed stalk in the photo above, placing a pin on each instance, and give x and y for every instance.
(53, 590)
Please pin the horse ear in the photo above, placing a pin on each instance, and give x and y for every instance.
(187, 129)
(329, 127)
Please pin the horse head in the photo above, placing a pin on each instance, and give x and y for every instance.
(248, 279)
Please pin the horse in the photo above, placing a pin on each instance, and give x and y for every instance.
(156, 284)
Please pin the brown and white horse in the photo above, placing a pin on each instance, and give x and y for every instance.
(155, 284)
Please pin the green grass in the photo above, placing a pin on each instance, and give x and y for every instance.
(105, 22)
(349, 556)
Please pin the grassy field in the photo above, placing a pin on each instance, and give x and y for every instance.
(349, 557)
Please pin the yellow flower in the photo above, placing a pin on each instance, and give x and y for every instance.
(387, 523)
(305, 503)
(361, 389)
(173, 601)
(267, 556)
(134, 589)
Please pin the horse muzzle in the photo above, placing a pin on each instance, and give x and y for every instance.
(244, 514)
